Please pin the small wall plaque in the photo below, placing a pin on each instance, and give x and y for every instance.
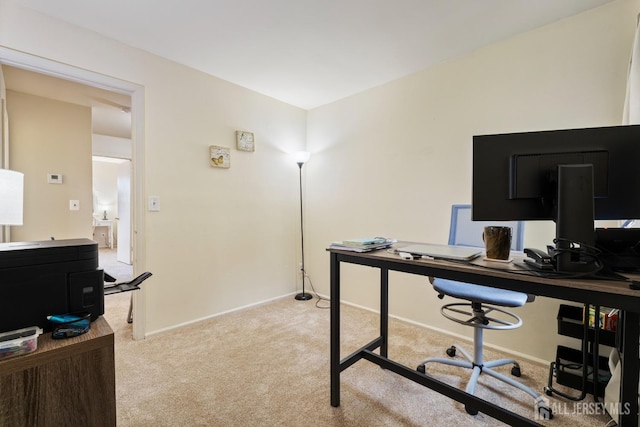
(220, 156)
(245, 141)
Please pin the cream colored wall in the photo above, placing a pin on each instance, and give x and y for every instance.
(111, 146)
(392, 160)
(47, 136)
(224, 238)
(3, 96)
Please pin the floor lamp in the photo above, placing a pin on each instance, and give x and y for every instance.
(301, 157)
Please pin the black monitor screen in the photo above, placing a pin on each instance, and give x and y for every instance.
(515, 175)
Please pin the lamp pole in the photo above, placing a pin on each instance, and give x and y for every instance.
(302, 296)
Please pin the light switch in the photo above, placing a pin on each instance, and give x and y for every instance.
(74, 205)
(154, 204)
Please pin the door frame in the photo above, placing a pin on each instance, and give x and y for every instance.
(123, 252)
(136, 92)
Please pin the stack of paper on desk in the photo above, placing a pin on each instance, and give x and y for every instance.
(364, 244)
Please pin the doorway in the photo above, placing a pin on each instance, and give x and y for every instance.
(66, 74)
(112, 215)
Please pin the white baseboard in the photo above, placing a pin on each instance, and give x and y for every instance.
(201, 319)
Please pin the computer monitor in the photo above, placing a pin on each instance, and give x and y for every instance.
(570, 176)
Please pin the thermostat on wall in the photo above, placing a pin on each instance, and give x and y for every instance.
(54, 178)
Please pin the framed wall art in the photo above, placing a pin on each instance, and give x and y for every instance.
(220, 156)
(245, 141)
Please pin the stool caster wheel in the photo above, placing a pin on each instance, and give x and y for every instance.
(451, 351)
(420, 368)
(548, 391)
(545, 412)
(515, 371)
(470, 410)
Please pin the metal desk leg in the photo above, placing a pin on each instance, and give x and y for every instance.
(630, 371)
(384, 311)
(130, 315)
(335, 330)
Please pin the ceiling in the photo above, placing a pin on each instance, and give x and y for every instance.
(310, 52)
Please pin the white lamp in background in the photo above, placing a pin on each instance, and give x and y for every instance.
(301, 157)
(11, 197)
(103, 208)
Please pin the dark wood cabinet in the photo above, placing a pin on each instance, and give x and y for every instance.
(69, 382)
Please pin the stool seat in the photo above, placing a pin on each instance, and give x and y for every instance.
(479, 293)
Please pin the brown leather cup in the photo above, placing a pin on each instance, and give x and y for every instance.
(497, 242)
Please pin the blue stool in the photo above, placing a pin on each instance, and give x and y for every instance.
(483, 312)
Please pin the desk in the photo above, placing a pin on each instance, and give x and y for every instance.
(601, 292)
(69, 382)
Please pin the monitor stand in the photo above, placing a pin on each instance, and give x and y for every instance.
(575, 239)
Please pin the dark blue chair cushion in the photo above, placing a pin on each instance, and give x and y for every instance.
(479, 293)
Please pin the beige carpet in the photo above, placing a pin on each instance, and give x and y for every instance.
(269, 366)
(110, 264)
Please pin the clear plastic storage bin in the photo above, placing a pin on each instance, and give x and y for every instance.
(18, 342)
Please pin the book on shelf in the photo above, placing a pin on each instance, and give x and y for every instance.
(607, 318)
(364, 244)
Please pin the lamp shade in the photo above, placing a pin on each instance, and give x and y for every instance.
(301, 157)
(11, 197)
